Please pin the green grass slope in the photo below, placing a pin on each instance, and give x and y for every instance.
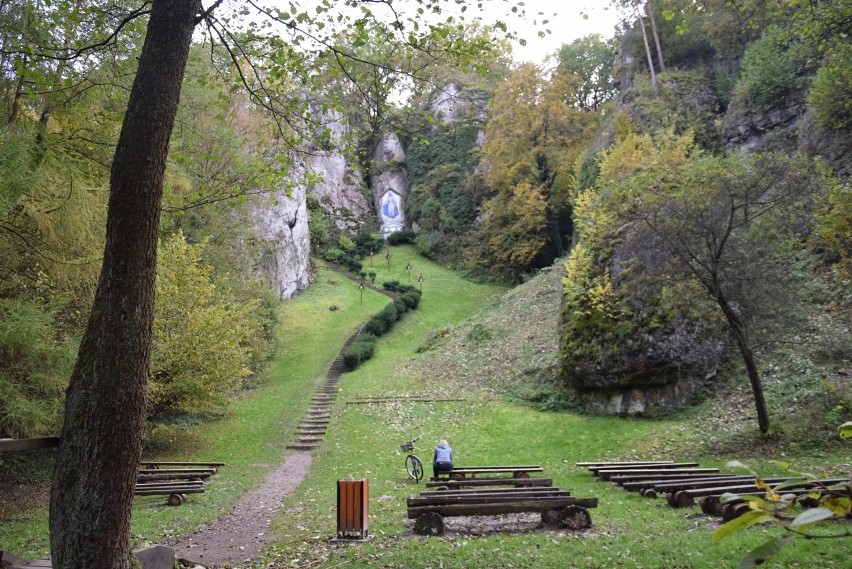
(501, 362)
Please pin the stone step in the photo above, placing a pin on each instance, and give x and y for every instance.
(309, 439)
(311, 424)
(301, 446)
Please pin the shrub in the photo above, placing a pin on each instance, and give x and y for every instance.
(394, 286)
(34, 370)
(773, 70)
(376, 325)
(411, 299)
(401, 307)
(389, 314)
(334, 255)
(402, 237)
(360, 351)
(831, 91)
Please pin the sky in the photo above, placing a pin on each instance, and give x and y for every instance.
(565, 19)
(566, 24)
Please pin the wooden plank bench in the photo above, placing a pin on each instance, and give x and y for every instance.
(686, 497)
(28, 444)
(635, 467)
(622, 463)
(653, 472)
(554, 506)
(519, 471)
(492, 481)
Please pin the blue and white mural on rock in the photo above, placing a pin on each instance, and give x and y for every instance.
(390, 211)
(390, 186)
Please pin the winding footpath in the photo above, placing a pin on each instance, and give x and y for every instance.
(240, 534)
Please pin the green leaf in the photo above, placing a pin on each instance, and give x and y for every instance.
(760, 554)
(789, 483)
(811, 516)
(740, 523)
(845, 430)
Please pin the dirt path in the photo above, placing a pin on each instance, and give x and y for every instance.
(240, 534)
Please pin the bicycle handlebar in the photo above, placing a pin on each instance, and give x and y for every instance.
(409, 445)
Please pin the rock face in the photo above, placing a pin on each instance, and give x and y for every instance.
(340, 192)
(281, 223)
(658, 363)
(390, 184)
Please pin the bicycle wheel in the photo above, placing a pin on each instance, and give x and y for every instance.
(414, 467)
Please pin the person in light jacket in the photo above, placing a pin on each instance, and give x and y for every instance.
(442, 460)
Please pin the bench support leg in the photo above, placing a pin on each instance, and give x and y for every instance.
(576, 517)
(430, 523)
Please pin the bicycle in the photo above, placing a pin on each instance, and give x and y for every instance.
(413, 464)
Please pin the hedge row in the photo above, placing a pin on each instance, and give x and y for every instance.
(394, 286)
(364, 346)
(361, 350)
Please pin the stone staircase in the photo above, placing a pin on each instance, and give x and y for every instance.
(309, 433)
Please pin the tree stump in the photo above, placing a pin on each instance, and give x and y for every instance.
(551, 518)
(649, 492)
(430, 523)
(710, 505)
(734, 510)
(175, 500)
(576, 517)
(680, 499)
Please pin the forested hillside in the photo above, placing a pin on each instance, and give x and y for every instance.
(693, 169)
(170, 172)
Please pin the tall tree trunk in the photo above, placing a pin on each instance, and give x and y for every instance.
(95, 470)
(741, 337)
(648, 52)
(649, 8)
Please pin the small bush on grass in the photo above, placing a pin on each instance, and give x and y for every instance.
(401, 308)
(394, 286)
(411, 299)
(360, 351)
(402, 237)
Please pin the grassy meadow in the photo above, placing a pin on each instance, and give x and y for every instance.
(482, 425)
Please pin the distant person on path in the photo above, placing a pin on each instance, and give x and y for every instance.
(442, 460)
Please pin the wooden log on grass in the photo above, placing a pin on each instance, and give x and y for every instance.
(478, 482)
(631, 467)
(165, 475)
(607, 474)
(440, 500)
(639, 485)
(503, 508)
(622, 463)
(624, 479)
(161, 491)
(28, 444)
(524, 491)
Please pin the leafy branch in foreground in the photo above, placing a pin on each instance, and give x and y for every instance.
(803, 515)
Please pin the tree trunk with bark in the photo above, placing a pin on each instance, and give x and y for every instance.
(649, 9)
(738, 330)
(95, 470)
(648, 52)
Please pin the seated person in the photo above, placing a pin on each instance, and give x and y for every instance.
(442, 460)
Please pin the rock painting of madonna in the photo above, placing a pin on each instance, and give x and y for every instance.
(390, 207)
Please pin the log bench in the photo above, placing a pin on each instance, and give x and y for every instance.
(556, 507)
(491, 481)
(637, 474)
(686, 497)
(518, 471)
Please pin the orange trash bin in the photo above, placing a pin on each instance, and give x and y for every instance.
(352, 516)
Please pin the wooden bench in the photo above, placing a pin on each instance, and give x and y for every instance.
(556, 507)
(518, 471)
(491, 481)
